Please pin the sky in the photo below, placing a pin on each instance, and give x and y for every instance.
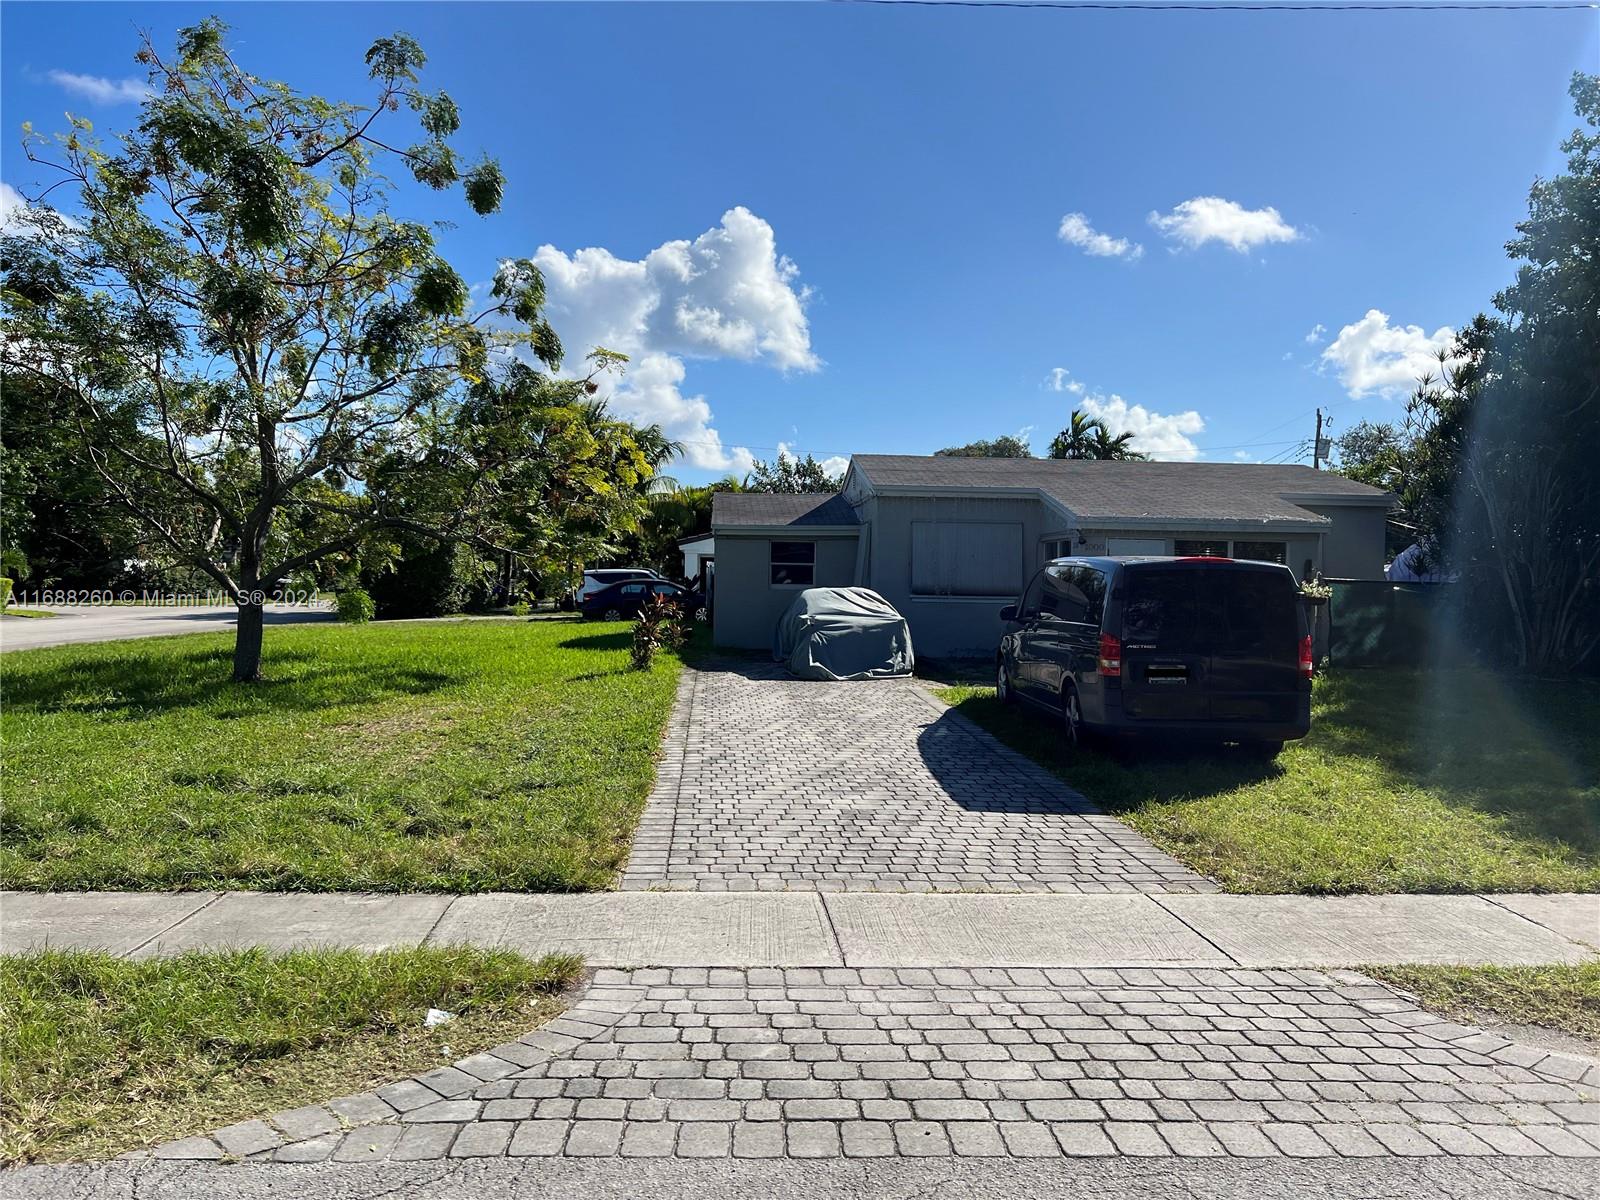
(844, 228)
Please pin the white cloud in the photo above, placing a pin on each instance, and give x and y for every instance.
(728, 294)
(1213, 219)
(1060, 380)
(1241, 456)
(1317, 334)
(100, 89)
(11, 205)
(1160, 436)
(1076, 231)
(15, 219)
(835, 464)
(1372, 355)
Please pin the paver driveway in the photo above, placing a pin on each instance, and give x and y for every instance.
(768, 782)
(699, 1063)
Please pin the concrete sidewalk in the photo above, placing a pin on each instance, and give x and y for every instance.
(814, 929)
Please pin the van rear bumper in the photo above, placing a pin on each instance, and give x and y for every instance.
(1114, 721)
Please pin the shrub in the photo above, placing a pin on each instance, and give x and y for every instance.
(356, 606)
(430, 579)
(521, 609)
(659, 624)
(5, 593)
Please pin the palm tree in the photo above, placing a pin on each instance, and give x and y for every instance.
(1087, 437)
(1077, 439)
(1117, 449)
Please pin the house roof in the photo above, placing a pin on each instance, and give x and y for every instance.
(1137, 492)
(768, 510)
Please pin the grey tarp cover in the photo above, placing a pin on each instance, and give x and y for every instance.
(843, 633)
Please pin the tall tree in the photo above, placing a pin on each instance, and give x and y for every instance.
(1501, 470)
(257, 358)
(790, 474)
(1090, 437)
(1007, 446)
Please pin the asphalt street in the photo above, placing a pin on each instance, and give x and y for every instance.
(943, 1179)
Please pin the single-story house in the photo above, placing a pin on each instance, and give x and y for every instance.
(699, 551)
(948, 541)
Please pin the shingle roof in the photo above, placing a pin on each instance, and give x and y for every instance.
(1107, 491)
(765, 508)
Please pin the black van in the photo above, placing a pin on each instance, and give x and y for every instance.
(1208, 648)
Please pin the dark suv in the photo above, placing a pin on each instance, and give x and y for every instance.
(1208, 648)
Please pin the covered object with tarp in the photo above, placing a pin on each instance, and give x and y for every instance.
(843, 633)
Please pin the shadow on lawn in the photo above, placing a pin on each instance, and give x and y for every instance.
(1521, 749)
(1114, 780)
(619, 640)
(136, 686)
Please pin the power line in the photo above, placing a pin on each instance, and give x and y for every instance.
(1277, 6)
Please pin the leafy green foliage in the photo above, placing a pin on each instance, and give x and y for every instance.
(268, 370)
(787, 474)
(1495, 465)
(659, 625)
(1008, 446)
(356, 606)
(99, 1055)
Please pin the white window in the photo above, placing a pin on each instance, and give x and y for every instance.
(959, 559)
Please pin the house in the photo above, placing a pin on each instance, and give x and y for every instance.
(699, 552)
(948, 541)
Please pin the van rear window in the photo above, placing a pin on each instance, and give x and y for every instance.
(1226, 610)
(1161, 608)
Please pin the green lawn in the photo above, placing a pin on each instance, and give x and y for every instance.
(1452, 781)
(1557, 996)
(446, 756)
(99, 1055)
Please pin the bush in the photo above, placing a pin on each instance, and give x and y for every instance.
(5, 593)
(521, 609)
(430, 579)
(356, 606)
(659, 624)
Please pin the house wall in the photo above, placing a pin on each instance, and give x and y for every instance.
(945, 626)
(748, 605)
(1353, 548)
(1300, 547)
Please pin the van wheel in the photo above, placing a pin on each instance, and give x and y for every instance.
(1072, 719)
(1264, 751)
(1002, 684)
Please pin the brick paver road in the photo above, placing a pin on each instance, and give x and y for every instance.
(699, 1063)
(768, 782)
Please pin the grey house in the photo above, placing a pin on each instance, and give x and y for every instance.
(947, 541)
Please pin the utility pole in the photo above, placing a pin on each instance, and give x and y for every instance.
(1317, 446)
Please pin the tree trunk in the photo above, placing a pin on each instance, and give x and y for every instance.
(247, 644)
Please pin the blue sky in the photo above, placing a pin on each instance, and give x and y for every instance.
(846, 228)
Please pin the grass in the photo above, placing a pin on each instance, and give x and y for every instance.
(428, 756)
(1453, 781)
(1555, 997)
(32, 614)
(99, 1055)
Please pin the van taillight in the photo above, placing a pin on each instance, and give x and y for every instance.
(1110, 655)
(1305, 657)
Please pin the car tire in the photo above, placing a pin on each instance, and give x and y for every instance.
(612, 614)
(701, 615)
(1077, 737)
(1003, 690)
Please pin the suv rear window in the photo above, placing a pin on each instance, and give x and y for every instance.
(1259, 614)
